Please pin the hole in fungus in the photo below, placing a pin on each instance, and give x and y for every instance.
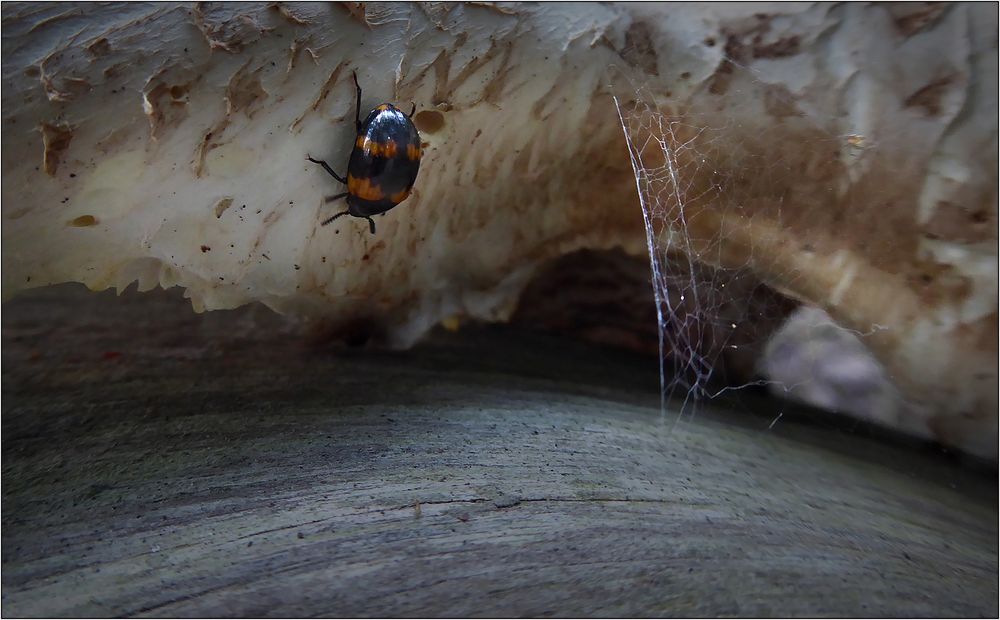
(429, 121)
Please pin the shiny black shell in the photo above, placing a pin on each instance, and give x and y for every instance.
(384, 162)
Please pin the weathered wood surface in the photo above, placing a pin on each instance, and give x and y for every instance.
(160, 463)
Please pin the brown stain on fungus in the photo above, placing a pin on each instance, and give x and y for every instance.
(937, 284)
(208, 142)
(779, 102)
(437, 12)
(787, 46)
(66, 89)
(639, 50)
(221, 32)
(285, 12)
(222, 205)
(293, 54)
(911, 18)
(324, 92)
(244, 93)
(493, 6)
(164, 99)
(929, 97)
(99, 47)
(83, 221)
(732, 54)
(444, 84)
(959, 223)
(358, 11)
(494, 88)
(55, 141)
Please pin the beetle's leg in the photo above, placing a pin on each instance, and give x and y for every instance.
(413, 110)
(371, 223)
(337, 197)
(327, 167)
(330, 219)
(357, 105)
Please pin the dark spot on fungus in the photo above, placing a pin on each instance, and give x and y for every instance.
(83, 221)
(205, 248)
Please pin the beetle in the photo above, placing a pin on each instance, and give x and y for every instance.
(384, 162)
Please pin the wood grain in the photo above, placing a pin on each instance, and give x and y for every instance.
(161, 463)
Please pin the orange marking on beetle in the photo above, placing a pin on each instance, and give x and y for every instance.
(376, 149)
(399, 196)
(364, 189)
(413, 152)
(383, 108)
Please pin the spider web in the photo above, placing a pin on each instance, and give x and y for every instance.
(694, 173)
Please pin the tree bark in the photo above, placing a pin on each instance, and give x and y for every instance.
(161, 463)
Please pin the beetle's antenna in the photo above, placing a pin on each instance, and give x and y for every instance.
(371, 224)
(357, 107)
(330, 219)
(337, 197)
(413, 110)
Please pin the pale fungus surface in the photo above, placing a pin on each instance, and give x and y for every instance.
(842, 155)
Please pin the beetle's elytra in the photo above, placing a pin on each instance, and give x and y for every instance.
(384, 162)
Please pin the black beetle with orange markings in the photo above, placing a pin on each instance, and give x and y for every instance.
(383, 165)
